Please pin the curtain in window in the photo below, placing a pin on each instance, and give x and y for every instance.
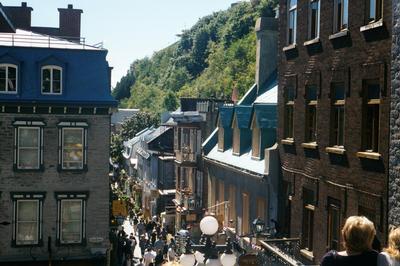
(28, 148)
(73, 148)
(71, 224)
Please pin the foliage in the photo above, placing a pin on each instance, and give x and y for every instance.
(116, 148)
(137, 123)
(209, 60)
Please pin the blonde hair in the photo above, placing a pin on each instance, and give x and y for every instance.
(393, 248)
(358, 233)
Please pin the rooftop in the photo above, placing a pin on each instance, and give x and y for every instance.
(24, 38)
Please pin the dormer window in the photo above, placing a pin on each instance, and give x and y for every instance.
(256, 139)
(8, 78)
(51, 80)
(236, 137)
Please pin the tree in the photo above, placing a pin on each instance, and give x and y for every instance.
(137, 123)
(170, 101)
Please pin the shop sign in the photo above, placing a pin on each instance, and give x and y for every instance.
(119, 208)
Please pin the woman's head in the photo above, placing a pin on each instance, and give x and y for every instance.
(358, 233)
(393, 248)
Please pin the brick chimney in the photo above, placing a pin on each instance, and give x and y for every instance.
(70, 22)
(20, 16)
(267, 48)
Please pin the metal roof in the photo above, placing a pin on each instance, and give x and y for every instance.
(268, 97)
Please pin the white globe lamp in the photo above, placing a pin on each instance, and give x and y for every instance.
(209, 225)
(187, 260)
(228, 259)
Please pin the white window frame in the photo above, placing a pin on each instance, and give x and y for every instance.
(38, 220)
(82, 217)
(7, 91)
(290, 10)
(318, 22)
(39, 147)
(83, 148)
(51, 68)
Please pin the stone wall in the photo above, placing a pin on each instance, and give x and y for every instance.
(50, 180)
(394, 156)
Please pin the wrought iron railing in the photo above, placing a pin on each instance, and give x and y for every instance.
(279, 252)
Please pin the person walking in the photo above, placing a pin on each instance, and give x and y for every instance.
(159, 259)
(141, 228)
(391, 255)
(358, 233)
(143, 244)
(149, 257)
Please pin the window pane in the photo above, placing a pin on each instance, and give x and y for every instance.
(292, 3)
(28, 137)
(374, 90)
(46, 80)
(314, 6)
(311, 93)
(12, 79)
(27, 222)
(28, 159)
(292, 27)
(3, 78)
(56, 81)
(345, 15)
(372, 9)
(339, 91)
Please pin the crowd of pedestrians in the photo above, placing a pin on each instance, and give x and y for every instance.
(362, 248)
(155, 243)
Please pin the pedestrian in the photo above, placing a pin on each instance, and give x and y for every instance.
(141, 228)
(153, 238)
(159, 258)
(120, 250)
(159, 245)
(140, 262)
(391, 255)
(128, 261)
(142, 244)
(135, 224)
(133, 244)
(358, 233)
(171, 254)
(128, 248)
(149, 257)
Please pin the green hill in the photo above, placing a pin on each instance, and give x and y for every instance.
(209, 60)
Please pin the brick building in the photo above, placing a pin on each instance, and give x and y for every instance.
(55, 108)
(333, 108)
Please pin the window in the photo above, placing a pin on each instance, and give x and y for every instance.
(236, 137)
(8, 78)
(245, 213)
(341, 15)
(374, 10)
(28, 153)
(311, 114)
(72, 145)
(255, 139)
(308, 219)
(288, 118)
(333, 241)
(371, 115)
(261, 209)
(27, 226)
(313, 19)
(292, 21)
(337, 115)
(51, 80)
(287, 192)
(221, 138)
(71, 217)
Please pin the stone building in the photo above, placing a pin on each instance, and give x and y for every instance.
(192, 124)
(55, 108)
(333, 108)
(241, 157)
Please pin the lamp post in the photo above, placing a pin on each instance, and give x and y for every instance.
(258, 226)
(207, 251)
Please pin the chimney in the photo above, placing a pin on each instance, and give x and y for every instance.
(20, 16)
(267, 49)
(70, 22)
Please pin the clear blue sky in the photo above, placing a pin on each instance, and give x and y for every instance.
(130, 29)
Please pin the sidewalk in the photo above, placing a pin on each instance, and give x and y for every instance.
(129, 229)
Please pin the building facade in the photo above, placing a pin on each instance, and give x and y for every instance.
(192, 124)
(241, 157)
(334, 105)
(54, 149)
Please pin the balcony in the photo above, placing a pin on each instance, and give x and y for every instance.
(185, 156)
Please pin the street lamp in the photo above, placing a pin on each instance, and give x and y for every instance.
(207, 250)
